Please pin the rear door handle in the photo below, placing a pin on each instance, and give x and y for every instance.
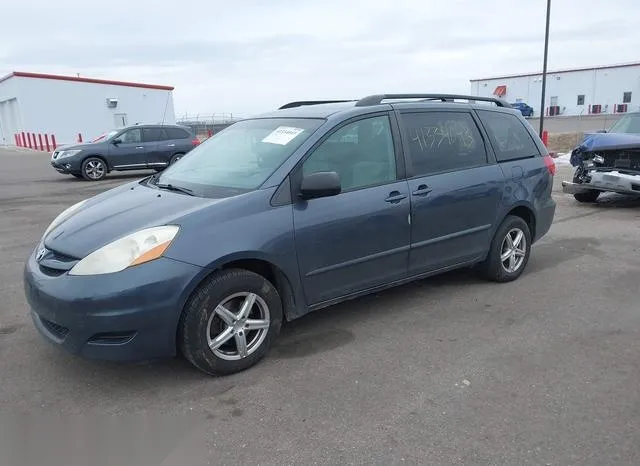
(395, 197)
(139, 147)
(422, 190)
(171, 145)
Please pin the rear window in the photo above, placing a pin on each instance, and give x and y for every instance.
(508, 136)
(177, 133)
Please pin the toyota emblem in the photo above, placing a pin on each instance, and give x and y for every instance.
(40, 254)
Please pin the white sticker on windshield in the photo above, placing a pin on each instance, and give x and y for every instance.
(282, 135)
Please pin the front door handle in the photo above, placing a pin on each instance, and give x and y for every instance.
(139, 147)
(422, 190)
(171, 145)
(395, 197)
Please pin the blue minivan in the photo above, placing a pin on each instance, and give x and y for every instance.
(287, 213)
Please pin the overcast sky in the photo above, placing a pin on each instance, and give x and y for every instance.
(249, 56)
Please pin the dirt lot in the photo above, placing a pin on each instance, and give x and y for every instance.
(449, 370)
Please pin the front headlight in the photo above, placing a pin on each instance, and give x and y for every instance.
(134, 249)
(68, 153)
(62, 217)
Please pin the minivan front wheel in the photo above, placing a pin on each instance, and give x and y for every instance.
(230, 321)
(509, 251)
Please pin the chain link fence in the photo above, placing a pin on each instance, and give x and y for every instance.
(206, 125)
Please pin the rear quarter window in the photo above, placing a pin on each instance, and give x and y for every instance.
(508, 136)
(177, 133)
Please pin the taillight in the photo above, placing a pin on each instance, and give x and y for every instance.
(195, 141)
(551, 164)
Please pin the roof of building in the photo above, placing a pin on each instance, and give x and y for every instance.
(56, 77)
(571, 70)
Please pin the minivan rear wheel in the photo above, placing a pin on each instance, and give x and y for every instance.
(509, 251)
(230, 322)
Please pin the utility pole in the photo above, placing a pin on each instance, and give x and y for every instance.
(544, 68)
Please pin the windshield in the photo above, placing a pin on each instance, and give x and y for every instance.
(627, 124)
(105, 136)
(241, 157)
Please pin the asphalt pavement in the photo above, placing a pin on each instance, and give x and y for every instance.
(448, 370)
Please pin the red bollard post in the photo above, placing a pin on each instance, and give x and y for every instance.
(46, 141)
(79, 137)
(24, 140)
(209, 133)
(35, 142)
(40, 141)
(17, 140)
(545, 137)
(29, 138)
(53, 141)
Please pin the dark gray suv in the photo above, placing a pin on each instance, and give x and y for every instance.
(134, 148)
(287, 213)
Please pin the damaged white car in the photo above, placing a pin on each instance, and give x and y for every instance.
(607, 162)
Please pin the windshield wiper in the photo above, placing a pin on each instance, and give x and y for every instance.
(178, 189)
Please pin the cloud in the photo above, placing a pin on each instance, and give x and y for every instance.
(250, 56)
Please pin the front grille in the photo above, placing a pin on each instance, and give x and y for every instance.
(56, 330)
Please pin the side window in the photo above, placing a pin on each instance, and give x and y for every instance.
(133, 136)
(443, 141)
(176, 133)
(508, 136)
(361, 153)
(153, 134)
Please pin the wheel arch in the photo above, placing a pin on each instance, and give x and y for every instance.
(526, 213)
(291, 304)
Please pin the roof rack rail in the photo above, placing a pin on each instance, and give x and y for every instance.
(312, 102)
(377, 99)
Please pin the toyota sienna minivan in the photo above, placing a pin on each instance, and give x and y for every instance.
(287, 213)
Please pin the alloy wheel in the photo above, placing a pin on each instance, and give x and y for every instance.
(238, 326)
(95, 169)
(513, 250)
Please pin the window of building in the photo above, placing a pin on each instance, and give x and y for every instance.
(361, 153)
(580, 99)
(626, 98)
(508, 136)
(443, 141)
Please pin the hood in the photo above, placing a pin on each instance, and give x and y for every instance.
(609, 141)
(83, 145)
(117, 213)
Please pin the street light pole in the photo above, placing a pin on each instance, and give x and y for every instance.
(544, 68)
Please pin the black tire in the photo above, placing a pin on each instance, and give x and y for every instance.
(493, 268)
(587, 196)
(194, 332)
(94, 169)
(175, 158)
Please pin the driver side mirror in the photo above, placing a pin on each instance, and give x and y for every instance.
(116, 141)
(320, 184)
(601, 131)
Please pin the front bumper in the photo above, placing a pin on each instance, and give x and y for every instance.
(125, 316)
(609, 181)
(67, 165)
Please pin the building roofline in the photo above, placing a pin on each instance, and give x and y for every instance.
(56, 77)
(570, 70)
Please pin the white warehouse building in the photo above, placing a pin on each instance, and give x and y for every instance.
(66, 108)
(609, 89)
